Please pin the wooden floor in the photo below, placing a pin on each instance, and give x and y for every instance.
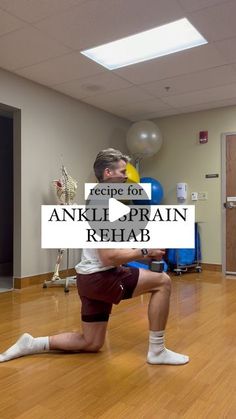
(117, 382)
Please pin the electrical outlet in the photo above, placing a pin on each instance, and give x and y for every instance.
(194, 196)
(202, 196)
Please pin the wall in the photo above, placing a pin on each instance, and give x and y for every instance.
(52, 126)
(182, 159)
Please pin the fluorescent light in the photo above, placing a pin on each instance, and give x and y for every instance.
(163, 40)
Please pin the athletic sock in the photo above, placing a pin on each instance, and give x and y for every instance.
(158, 354)
(25, 345)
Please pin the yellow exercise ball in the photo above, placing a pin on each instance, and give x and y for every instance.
(132, 174)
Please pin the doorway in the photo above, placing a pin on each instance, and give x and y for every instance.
(10, 199)
(229, 203)
(6, 206)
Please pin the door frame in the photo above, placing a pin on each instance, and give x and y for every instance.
(16, 115)
(223, 197)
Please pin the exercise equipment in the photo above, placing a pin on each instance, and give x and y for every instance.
(156, 190)
(183, 260)
(154, 266)
(144, 139)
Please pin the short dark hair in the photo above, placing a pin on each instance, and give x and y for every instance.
(107, 159)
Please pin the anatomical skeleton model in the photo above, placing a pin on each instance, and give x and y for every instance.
(65, 190)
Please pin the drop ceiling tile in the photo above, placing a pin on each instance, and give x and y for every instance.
(94, 85)
(141, 110)
(166, 112)
(61, 69)
(27, 46)
(190, 82)
(208, 106)
(96, 22)
(199, 78)
(192, 5)
(217, 22)
(9, 23)
(234, 66)
(202, 96)
(107, 108)
(145, 107)
(121, 114)
(139, 116)
(184, 62)
(34, 10)
(118, 97)
(227, 49)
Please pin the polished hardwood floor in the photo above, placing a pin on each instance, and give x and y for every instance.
(117, 382)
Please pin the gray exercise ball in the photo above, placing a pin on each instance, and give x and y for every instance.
(144, 139)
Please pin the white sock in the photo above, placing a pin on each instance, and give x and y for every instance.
(158, 354)
(25, 345)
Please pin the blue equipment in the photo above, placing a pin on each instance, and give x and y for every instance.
(144, 265)
(156, 189)
(180, 260)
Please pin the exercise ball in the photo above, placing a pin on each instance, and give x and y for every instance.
(144, 139)
(156, 190)
(132, 174)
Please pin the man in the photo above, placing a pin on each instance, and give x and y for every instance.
(102, 282)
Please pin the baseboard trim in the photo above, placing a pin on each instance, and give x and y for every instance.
(27, 281)
(212, 267)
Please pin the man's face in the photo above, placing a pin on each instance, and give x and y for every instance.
(117, 174)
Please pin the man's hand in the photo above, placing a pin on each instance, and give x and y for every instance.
(117, 257)
(156, 254)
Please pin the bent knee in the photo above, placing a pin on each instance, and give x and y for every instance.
(166, 280)
(94, 346)
(163, 283)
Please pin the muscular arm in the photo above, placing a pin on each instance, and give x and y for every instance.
(116, 257)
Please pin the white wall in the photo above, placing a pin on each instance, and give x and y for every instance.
(53, 125)
(183, 159)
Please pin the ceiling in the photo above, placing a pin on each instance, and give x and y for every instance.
(41, 40)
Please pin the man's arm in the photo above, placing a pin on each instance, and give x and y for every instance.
(116, 257)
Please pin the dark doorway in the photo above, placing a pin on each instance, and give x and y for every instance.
(6, 202)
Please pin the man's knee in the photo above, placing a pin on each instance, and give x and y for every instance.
(166, 281)
(163, 283)
(94, 346)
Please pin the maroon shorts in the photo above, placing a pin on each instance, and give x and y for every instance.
(98, 291)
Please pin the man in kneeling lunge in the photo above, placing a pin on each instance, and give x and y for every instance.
(102, 281)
